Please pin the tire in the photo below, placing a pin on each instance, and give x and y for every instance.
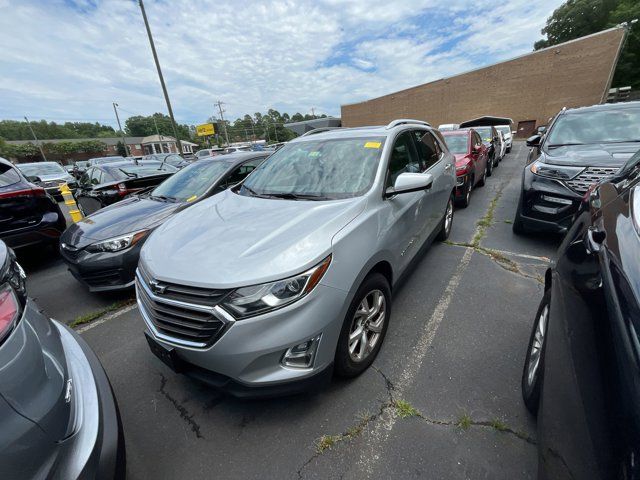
(490, 167)
(483, 179)
(518, 225)
(464, 201)
(447, 221)
(345, 363)
(533, 370)
(508, 149)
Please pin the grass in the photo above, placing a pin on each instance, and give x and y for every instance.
(326, 442)
(499, 425)
(89, 317)
(464, 421)
(508, 221)
(405, 409)
(485, 222)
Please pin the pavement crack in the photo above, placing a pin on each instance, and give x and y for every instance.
(184, 413)
(388, 383)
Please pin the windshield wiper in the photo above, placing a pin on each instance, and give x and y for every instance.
(164, 198)
(253, 193)
(551, 145)
(297, 196)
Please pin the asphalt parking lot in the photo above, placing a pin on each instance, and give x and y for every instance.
(441, 401)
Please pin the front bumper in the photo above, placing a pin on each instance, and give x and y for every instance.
(461, 185)
(48, 230)
(246, 359)
(103, 271)
(548, 205)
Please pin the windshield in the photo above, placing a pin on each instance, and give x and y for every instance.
(100, 161)
(600, 126)
(37, 169)
(485, 133)
(318, 169)
(123, 172)
(504, 129)
(8, 176)
(191, 182)
(458, 144)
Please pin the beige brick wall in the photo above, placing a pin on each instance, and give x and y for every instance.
(531, 87)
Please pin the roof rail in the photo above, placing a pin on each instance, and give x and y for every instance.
(318, 130)
(405, 121)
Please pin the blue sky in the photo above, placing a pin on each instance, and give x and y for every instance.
(69, 60)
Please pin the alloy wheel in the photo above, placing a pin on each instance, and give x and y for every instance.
(536, 346)
(448, 217)
(367, 324)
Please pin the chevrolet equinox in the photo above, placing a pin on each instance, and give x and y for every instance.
(272, 285)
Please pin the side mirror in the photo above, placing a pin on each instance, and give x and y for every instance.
(33, 179)
(534, 141)
(72, 184)
(513, 132)
(410, 182)
(476, 148)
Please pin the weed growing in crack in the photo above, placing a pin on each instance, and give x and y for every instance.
(325, 442)
(499, 425)
(405, 409)
(464, 421)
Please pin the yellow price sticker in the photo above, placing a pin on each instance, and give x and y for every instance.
(192, 198)
(372, 144)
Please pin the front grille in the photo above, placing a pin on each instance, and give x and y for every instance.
(103, 278)
(195, 323)
(588, 177)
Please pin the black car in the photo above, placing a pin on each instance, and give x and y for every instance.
(490, 136)
(582, 368)
(581, 146)
(108, 183)
(58, 415)
(170, 158)
(92, 162)
(102, 250)
(80, 167)
(28, 215)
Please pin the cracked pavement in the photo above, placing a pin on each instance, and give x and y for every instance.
(454, 350)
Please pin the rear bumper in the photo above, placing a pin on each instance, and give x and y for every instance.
(48, 230)
(107, 457)
(103, 271)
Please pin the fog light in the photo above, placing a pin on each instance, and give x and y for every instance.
(302, 355)
(561, 201)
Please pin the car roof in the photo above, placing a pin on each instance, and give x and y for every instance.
(141, 163)
(459, 131)
(6, 162)
(602, 106)
(368, 131)
(38, 163)
(236, 157)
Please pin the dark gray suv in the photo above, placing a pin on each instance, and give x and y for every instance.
(58, 416)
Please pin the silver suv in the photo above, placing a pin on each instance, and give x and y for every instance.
(270, 286)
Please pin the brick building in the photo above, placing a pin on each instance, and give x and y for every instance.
(529, 89)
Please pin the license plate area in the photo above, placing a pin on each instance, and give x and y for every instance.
(168, 355)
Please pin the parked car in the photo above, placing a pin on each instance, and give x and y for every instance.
(489, 136)
(242, 148)
(58, 415)
(271, 286)
(447, 127)
(79, 168)
(503, 144)
(209, 152)
(170, 158)
(582, 146)
(487, 128)
(102, 250)
(69, 168)
(582, 370)
(28, 215)
(92, 162)
(105, 184)
(472, 162)
(507, 134)
(48, 175)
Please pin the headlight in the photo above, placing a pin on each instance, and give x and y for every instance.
(463, 168)
(118, 243)
(257, 299)
(555, 171)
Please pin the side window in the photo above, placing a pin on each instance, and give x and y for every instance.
(429, 150)
(106, 177)
(85, 179)
(96, 177)
(238, 174)
(403, 158)
(475, 139)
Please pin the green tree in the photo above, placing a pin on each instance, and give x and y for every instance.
(122, 151)
(577, 18)
(141, 126)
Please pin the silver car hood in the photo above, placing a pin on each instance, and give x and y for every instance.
(231, 240)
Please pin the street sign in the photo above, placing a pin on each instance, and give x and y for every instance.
(205, 130)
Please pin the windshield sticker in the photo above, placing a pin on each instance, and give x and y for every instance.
(192, 198)
(372, 145)
(314, 154)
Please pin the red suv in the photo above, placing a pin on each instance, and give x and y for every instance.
(471, 161)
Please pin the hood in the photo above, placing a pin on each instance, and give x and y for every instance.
(461, 159)
(602, 155)
(231, 240)
(124, 217)
(56, 176)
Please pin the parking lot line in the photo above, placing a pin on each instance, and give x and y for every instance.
(106, 318)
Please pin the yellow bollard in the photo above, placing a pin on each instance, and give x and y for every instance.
(70, 202)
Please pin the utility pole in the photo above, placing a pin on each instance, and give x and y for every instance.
(36, 139)
(246, 135)
(156, 125)
(164, 87)
(275, 130)
(224, 125)
(266, 124)
(313, 112)
(124, 141)
(253, 130)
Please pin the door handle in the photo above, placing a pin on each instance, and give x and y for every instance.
(447, 167)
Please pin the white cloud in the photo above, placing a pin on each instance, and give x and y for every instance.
(70, 60)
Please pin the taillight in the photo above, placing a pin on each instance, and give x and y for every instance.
(122, 189)
(26, 192)
(9, 309)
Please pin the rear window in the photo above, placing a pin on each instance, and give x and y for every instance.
(138, 171)
(8, 175)
(44, 168)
